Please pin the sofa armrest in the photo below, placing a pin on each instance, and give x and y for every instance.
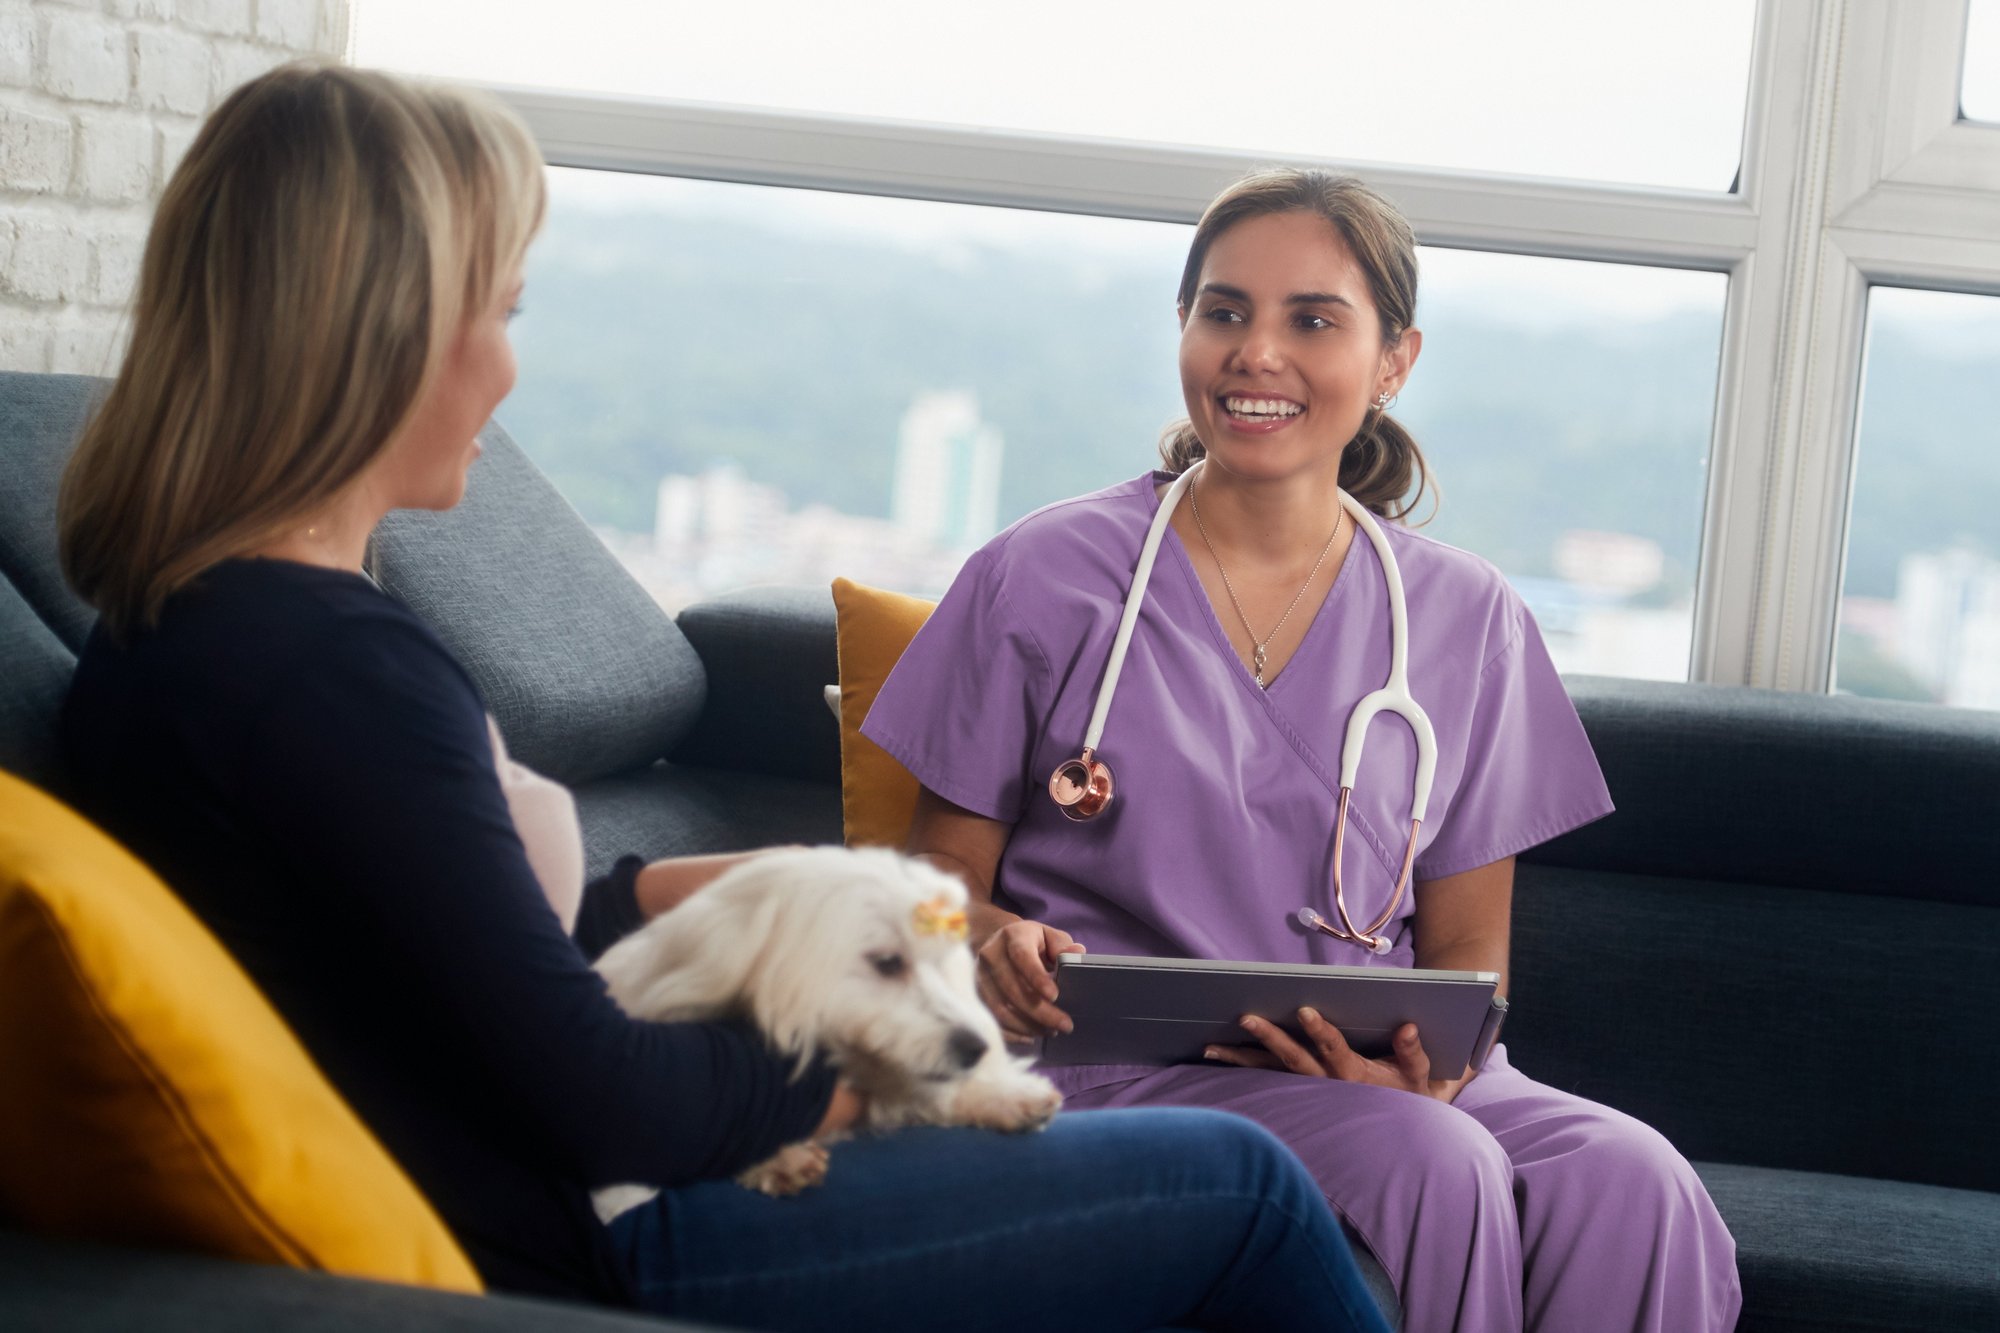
(769, 654)
(59, 1287)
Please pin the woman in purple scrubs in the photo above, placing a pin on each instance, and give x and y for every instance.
(1494, 1202)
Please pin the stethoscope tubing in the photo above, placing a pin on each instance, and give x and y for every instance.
(1142, 574)
(1082, 787)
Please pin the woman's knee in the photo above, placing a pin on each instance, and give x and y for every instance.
(1192, 1149)
(1613, 1156)
(1442, 1150)
(1221, 1143)
(1631, 1158)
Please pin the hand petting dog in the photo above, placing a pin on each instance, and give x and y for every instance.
(857, 955)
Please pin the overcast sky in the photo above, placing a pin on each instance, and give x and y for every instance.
(1607, 90)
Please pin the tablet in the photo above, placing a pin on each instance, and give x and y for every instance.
(1164, 1011)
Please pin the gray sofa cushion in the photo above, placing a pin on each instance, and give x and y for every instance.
(1835, 1253)
(1904, 991)
(1760, 786)
(584, 671)
(40, 419)
(586, 674)
(669, 810)
(770, 655)
(36, 669)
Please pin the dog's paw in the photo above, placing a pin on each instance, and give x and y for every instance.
(794, 1167)
(1014, 1102)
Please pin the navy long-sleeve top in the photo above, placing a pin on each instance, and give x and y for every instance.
(301, 759)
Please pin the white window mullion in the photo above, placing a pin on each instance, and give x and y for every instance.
(1113, 178)
(1889, 187)
(1778, 497)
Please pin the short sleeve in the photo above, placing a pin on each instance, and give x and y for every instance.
(1529, 772)
(965, 705)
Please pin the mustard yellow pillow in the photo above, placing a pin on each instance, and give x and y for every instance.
(878, 796)
(150, 1095)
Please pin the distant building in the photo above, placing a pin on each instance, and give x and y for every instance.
(721, 507)
(720, 531)
(1948, 605)
(947, 486)
(1617, 563)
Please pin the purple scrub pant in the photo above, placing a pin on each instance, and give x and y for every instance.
(1515, 1206)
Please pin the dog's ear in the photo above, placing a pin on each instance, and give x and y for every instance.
(697, 961)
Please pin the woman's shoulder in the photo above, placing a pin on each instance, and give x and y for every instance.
(253, 629)
(1075, 535)
(1457, 587)
(301, 606)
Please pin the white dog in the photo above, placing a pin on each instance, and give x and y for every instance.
(856, 955)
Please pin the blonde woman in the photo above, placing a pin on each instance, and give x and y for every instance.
(321, 329)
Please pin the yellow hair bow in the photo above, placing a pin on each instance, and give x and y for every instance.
(939, 917)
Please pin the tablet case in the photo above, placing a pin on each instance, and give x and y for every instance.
(1164, 1011)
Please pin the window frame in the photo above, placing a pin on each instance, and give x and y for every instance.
(1856, 170)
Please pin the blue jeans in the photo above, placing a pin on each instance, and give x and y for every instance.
(1107, 1220)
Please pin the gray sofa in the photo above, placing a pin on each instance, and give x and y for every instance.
(1783, 950)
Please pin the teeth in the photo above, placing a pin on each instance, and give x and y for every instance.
(1261, 407)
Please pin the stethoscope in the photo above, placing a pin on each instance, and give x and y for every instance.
(1081, 787)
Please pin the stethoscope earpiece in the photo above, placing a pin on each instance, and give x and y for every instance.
(1311, 920)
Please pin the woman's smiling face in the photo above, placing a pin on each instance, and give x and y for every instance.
(1281, 352)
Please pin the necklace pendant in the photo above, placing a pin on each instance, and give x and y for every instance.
(1257, 665)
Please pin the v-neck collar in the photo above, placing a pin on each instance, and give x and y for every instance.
(1221, 635)
(1264, 700)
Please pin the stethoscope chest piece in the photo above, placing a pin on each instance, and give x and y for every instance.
(1081, 787)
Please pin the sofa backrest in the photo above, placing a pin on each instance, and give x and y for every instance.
(1784, 947)
(585, 673)
(34, 674)
(40, 418)
(1808, 791)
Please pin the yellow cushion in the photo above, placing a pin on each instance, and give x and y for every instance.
(878, 796)
(150, 1095)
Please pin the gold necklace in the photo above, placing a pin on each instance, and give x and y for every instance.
(1257, 649)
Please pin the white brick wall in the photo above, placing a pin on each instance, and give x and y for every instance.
(17, 47)
(99, 99)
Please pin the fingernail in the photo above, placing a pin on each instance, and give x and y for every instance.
(1247, 1023)
(1308, 1015)
(1211, 1053)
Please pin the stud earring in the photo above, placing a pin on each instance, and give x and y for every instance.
(1382, 401)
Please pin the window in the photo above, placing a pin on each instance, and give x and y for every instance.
(1920, 608)
(1664, 85)
(1566, 408)
(1810, 153)
(738, 384)
(741, 385)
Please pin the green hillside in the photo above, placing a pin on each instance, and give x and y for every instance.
(654, 344)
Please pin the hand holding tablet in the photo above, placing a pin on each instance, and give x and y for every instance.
(1162, 1011)
(1325, 1054)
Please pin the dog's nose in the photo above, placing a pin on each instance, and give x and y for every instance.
(967, 1047)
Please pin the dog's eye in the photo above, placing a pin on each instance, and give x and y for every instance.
(890, 964)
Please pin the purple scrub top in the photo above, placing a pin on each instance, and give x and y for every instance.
(1221, 825)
